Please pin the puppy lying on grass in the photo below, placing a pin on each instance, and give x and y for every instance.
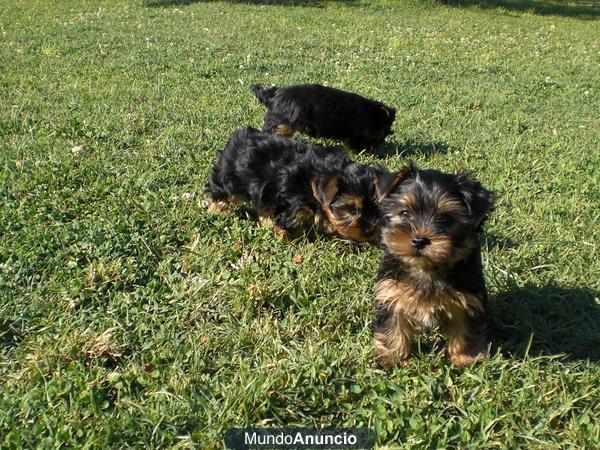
(297, 185)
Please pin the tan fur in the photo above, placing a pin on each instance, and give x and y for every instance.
(346, 220)
(439, 252)
(217, 207)
(323, 225)
(266, 218)
(393, 348)
(285, 129)
(383, 191)
(408, 201)
(304, 217)
(398, 241)
(347, 200)
(411, 311)
(393, 344)
(281, 233)
(222, 205)
(440, 249)
(458, 349)
(325, 194)
(448, 205)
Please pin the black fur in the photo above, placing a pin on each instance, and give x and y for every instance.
(280, 177)
(326, 112)
(448, 212)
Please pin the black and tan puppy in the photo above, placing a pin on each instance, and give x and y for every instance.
(431, 274)
(297, 185)
(319, 111)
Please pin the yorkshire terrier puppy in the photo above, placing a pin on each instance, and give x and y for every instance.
(431, 274)
(319, 111)
(297, 185)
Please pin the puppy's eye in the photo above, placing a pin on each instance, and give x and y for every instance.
(353, 211)
(405, 214)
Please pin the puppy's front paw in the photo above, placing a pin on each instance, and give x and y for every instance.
(217, 207)
(460, 360)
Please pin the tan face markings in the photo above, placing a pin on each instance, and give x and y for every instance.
(285, 129)
(406, 202)
(440, 250)
(351, 231)
(344, 215)
(397, 239)
(348, 205)
(325, 188)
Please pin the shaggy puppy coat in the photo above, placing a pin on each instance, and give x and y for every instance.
(297, 185)
(431, 273)
(319, 111)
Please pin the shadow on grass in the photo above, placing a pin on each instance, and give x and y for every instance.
(410, 147)
(11, 333)
(311, 3)
(548, 320)
(582, 9)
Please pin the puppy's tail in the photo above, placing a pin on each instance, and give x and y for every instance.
(264, 95)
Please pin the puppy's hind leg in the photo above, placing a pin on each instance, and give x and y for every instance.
(353, 145)
(275, 124)
(467, 339)
(292, 221)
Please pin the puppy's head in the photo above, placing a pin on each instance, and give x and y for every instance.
(349, 202)
(431, 219)
(381, 118)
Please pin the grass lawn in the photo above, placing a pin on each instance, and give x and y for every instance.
(130, 317)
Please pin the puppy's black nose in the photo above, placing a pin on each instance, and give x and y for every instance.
(420, 242)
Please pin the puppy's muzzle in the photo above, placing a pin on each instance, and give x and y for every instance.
(420, 242)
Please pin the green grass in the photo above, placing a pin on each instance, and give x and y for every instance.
(129, 316)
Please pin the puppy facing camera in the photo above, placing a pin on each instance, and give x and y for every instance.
(431, 274)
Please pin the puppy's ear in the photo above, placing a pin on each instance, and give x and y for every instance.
(325, 187)
(388, 181)
(479, 200)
